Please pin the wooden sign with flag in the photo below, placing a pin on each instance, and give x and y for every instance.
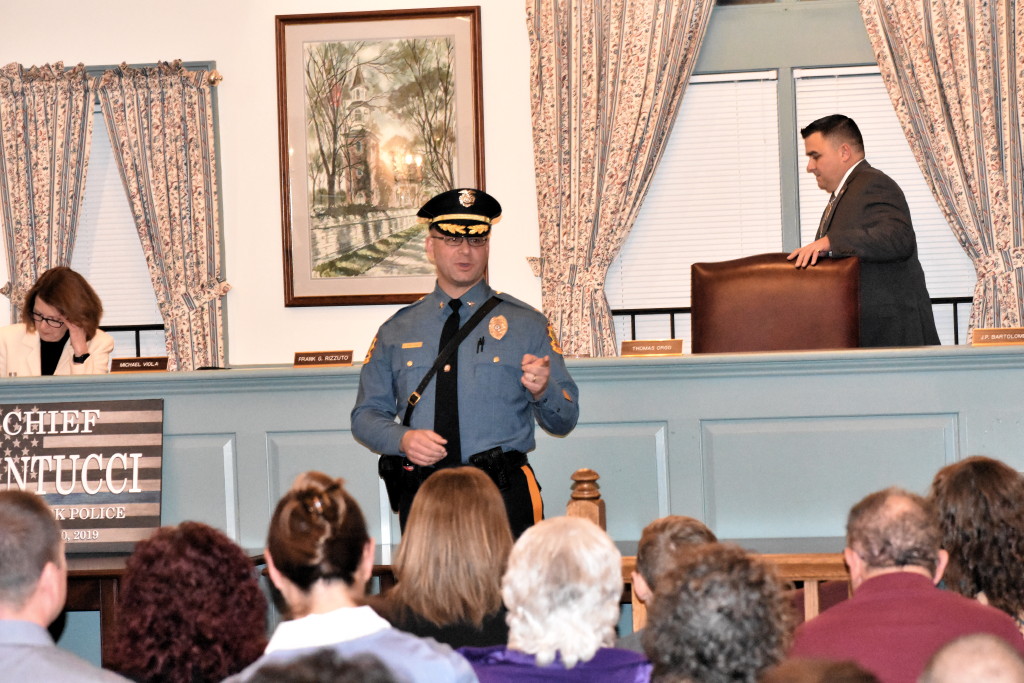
(97, 464)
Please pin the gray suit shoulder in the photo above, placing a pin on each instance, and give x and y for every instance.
(50, 663)
(870, 174)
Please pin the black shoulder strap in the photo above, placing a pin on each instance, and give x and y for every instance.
(445, 354)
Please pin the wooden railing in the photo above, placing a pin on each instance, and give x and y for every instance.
(807, 569)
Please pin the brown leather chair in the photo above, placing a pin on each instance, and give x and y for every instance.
(765, 303)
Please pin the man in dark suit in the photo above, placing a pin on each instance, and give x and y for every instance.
(867, 216)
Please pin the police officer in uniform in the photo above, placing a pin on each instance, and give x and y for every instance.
(480, 407)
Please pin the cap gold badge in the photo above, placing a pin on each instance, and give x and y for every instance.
(498, 326)
(467, 198)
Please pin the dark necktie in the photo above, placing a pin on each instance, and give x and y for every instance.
(826, 216)
(446, 401)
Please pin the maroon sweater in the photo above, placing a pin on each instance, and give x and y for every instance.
(895, 622)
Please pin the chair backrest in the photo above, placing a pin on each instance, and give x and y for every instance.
(765, 303)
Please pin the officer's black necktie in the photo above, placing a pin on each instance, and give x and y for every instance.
(446, 401)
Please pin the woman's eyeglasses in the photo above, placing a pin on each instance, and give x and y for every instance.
(52, 322)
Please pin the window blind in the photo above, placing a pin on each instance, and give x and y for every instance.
(108, 252)
(715, 196)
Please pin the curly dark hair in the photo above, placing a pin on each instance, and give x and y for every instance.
(326, 665)
(980, 507)
(190, 608)
(720, 616)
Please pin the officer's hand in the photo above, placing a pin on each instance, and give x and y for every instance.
(536, 372)
(423, 447)
(808, 255)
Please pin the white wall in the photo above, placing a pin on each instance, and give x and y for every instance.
(239, 36)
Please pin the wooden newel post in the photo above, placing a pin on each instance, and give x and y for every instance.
(586, 501)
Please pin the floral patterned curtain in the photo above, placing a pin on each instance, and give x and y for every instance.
(955, 73)
(607, 79)
(45, 133)
(161, 127)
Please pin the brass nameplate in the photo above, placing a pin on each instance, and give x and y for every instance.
(306, 359)
(997, 336)
(144, 364)
(653, 347)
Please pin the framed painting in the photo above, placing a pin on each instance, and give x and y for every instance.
(377, 112)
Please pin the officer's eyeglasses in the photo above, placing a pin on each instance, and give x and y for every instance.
(52, 322)
(456, 240)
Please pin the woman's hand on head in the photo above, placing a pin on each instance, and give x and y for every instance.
(79, 343)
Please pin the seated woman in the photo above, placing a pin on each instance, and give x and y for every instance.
(190, 608)
(320, 557)
(562, 591)
(454, 550)
(979, 501)
(59, 330)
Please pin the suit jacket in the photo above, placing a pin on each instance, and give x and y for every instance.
(28, 654)
(871, 220)
(19, 354)
(895, 622)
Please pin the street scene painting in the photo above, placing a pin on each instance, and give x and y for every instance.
(387, 115)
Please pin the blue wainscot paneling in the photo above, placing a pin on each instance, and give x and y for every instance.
(757, 445)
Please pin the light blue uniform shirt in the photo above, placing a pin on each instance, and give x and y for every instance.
(495, 409)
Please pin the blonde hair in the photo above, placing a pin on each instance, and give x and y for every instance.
(454, 549)
(562, 590)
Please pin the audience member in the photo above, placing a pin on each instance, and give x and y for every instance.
(449, 566)
(562, 590)
(190, 608)
(320, 556)
(59, 330)
(33, 587)
(660, 543)
(977, 658)
(719, 616)
(817, 671)
(326, 665)
(896, 618)
(979, 502)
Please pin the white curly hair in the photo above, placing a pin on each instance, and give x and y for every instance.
(562, 590)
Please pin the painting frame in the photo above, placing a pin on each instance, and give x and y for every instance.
(322, 205)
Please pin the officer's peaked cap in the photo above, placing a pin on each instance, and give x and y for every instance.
(465, 211)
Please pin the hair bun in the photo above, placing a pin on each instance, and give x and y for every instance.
(318, 493)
